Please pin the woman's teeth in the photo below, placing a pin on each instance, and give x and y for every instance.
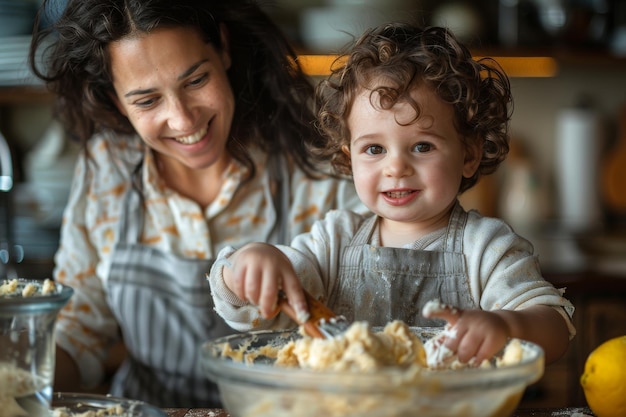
(191, 139)
(398, 194)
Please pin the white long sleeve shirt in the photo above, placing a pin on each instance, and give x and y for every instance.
(503, 272)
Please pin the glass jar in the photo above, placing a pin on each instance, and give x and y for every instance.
(27, 346)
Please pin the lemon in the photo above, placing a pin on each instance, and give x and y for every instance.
(604, 378)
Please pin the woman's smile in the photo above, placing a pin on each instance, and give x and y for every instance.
(192, 138)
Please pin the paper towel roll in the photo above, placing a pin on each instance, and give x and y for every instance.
(578, 150)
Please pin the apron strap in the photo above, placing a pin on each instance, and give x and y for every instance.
(132, 213)
(281, 176)
(364, 234)
(456, 229)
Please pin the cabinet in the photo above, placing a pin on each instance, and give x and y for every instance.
(11, 95)
(600, 302)
(25, 112)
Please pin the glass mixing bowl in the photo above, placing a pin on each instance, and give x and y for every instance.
(259, 389)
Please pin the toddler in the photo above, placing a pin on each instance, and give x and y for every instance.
(416, 121)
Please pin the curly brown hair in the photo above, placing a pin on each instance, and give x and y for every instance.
(275, 98)
(407, 56)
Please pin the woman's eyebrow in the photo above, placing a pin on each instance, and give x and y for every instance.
(191, 69)
(139, 92)
(186, 73)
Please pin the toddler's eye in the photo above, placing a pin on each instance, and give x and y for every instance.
(422, 147)
(374, 150)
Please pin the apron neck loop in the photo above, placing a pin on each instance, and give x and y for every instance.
(456, 228)
(132, 213)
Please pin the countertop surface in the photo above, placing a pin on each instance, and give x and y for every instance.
(524, 412)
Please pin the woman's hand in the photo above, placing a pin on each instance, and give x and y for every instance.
(257, 273)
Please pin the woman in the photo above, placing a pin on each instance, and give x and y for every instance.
(196, 123)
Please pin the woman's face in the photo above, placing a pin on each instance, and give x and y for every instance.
(174, 89)
(408, 173)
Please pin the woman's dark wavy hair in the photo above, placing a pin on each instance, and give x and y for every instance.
(393, 59)
(274, 98)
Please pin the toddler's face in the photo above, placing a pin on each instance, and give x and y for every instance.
(409, 174)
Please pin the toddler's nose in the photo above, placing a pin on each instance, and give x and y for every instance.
(398, 166)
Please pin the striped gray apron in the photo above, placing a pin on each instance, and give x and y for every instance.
(163, 305)
(381, 284)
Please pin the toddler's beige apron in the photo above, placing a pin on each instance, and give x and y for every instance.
(380, 284)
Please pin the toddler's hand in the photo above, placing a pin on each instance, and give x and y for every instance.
(257, 273)
(477, 334)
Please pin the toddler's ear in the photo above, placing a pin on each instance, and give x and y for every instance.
(345, 149)
(473, 156)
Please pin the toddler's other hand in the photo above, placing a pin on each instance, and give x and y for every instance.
(474, 335)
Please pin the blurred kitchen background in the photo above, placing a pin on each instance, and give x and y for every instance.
(563, 185)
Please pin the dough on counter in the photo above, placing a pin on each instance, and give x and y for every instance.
(14, 383)
(10, 408)
(114, 411)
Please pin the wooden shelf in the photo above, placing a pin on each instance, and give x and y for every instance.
(24, 94)
(516, 62)
(563, 55)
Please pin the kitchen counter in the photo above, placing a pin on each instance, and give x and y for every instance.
(524, 412)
